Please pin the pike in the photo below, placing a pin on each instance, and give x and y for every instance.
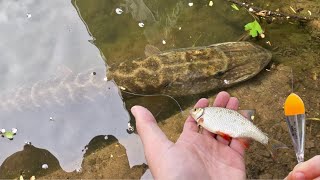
(188, 71)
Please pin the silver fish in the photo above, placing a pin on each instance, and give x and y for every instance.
(229, 122)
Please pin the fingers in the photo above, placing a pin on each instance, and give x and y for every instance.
(190, 124)
(306, 170)
(153, 139)
(222, 99)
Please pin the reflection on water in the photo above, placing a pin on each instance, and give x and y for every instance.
(53, 88)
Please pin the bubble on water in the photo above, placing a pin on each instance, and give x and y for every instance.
(119, 11)
(164, 42)
(3, 131)
(51, 118)
(180, 28)
(106, 137)
(79, 170)
(141, 24)
(29, 15)
(105, 79)
(190, 4)
(44, 166)
(14, 130)
(27, 142)
(211, 3)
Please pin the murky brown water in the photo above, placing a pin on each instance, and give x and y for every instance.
(54, 36)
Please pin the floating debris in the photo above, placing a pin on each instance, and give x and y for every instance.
(141, 24)
(309, 12)
(211, 3)
(119, 11)
(190, 4)
(234, 6)
(180, 28)
(111, 156)
(130, 128)
(164, 42)
(122, 88)
(9, 134)
(14, 130)
(79, 170)
(106, 137)
(262, 35)
(33, 178)
(27, 143)
(29, 15)
(226, 81)
(44, 166)
(269, 43)
(51, 118)
(105, 79)
(293, 10)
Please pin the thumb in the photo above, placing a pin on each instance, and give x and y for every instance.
(154, 140)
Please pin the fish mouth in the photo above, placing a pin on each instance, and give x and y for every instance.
(245, 61)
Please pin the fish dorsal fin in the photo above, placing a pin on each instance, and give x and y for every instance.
(247, 113)
(151, 50)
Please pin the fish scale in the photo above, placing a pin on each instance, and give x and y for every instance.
(230, 122)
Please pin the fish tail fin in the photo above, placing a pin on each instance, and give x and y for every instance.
(273, 145)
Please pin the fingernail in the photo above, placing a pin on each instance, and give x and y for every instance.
(299, 176)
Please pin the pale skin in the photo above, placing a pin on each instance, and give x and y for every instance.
(200, 155)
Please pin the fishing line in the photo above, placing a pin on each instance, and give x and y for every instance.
(153, 95)
(291, 80)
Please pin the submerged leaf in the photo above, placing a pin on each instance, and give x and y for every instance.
(235, 7)
(254, 28)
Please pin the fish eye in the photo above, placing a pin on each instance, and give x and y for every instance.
(195, 109)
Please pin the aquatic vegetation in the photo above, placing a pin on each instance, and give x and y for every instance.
(254, 28)
(234, 6)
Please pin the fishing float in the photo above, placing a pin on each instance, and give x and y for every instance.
(294, 111)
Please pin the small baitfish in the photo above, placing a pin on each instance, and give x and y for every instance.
(228, 122)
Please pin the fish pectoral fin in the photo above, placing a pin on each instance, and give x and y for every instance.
(244, 142)
(150, 50)
(224, 136)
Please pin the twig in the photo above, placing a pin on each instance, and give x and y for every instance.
(269, 14)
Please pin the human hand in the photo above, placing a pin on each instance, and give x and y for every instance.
(194, 155)
(306, 170)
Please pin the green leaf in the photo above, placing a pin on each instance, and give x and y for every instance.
(254, 28)
(9, 135)
(235, 7)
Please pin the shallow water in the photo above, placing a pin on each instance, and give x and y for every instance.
(52, 41)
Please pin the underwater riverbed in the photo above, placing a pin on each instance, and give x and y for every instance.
(77, 123)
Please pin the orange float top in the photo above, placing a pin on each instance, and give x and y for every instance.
(293, 105)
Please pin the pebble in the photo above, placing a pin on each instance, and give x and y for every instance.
(119, 11)
(141, 24)
(44, 166)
